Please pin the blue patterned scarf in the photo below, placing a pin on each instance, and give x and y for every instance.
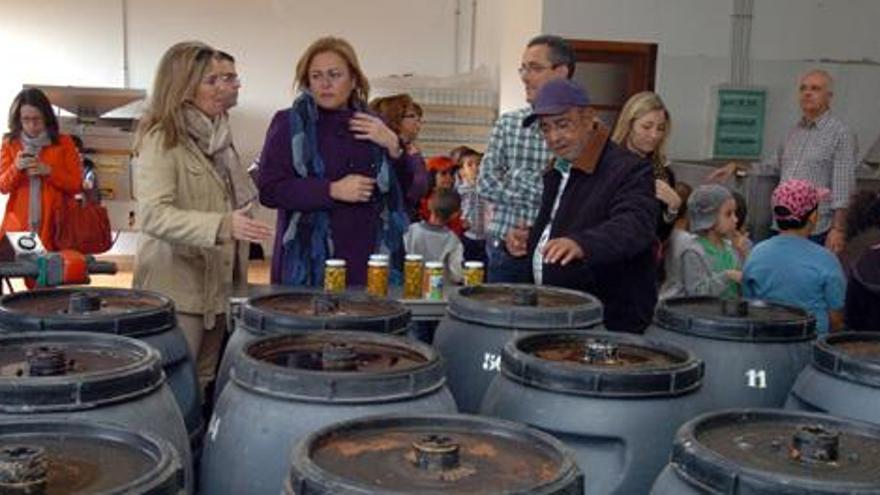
(307, 240)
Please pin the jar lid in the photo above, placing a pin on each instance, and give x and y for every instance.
(377, 262)
(434, 264)
(379, 257)
(414, 257)
(473, 264)
(335, 262)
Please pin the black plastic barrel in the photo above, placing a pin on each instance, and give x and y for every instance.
(308, 310)
(144, 315)
(481, 319)
(282, 388)
(616, 400)
(458, 454)
(67, 376)
(844, 378)
(40, 457)
(772, 452)
(753, 350)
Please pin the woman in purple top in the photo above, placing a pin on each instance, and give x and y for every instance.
(336, 174)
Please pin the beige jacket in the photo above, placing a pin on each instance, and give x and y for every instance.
(185, 248)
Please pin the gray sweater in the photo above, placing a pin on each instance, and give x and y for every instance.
(436, 243)
(688, 270)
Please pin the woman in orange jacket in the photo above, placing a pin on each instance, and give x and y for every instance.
(36, 160)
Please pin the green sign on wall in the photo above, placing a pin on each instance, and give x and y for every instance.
(739, 123)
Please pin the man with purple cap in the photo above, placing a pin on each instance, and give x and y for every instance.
(596, 224)
(789, 268)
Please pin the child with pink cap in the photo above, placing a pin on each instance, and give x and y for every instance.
(789, 268)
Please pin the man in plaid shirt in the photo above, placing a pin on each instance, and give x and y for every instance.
(511, 171)
(820, 149)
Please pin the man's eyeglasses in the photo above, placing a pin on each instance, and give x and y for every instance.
(534, 68)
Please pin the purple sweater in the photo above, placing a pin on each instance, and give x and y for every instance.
(353, 226)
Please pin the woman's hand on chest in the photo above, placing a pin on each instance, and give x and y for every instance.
(368, 127)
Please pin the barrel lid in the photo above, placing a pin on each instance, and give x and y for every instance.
(91, 309)
(524, 306)
(339, 367)
(741, 319)
(769, 451)
(63, 371)
(299, 310)
(432, 454)
(601, 364)
(78, 457)
(854, 356)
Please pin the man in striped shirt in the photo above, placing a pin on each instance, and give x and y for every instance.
(820, 149)
(510, 177)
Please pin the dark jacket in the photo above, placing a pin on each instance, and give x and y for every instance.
(863, 293)
(612, 214)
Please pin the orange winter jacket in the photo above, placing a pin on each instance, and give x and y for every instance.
(64, 179)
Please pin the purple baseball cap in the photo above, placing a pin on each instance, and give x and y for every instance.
(556, 96)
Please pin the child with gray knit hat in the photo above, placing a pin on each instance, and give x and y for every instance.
(709, 265)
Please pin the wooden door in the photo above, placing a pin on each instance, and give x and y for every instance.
(612, 71)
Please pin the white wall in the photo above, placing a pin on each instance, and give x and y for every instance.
(268, 36)
(80, 42)
(693, 39)
(503, 29)
(37, 45)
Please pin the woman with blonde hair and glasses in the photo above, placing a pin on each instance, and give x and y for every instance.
(335, 173)
(643, 128)
(194, 196)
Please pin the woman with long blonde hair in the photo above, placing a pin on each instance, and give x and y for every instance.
(194, 196)
(643, 128)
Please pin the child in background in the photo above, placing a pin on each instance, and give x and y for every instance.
(789, 268)
(473, 209)
(862, 308)
(441, 176)
(434, 240)
(679, 240)
(740, 237)
(709, 265)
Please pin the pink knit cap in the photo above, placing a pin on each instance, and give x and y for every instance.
(795, 198)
